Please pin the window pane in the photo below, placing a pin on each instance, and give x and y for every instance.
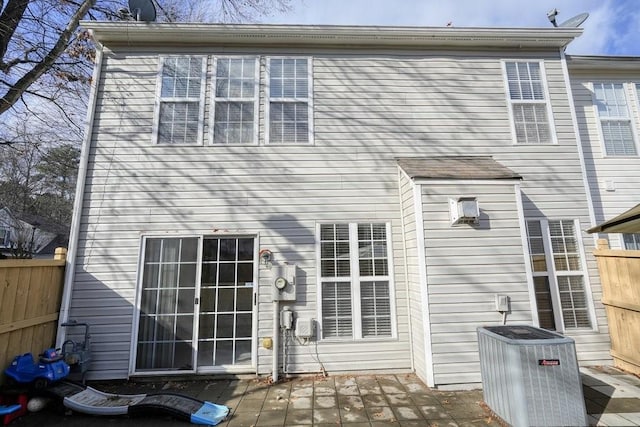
(532, 126)
(376, 309)
(618, 138)
(336, 309)
(573, 300)
(631, 241)
(234, 119)
(289, 90)
(544, 303)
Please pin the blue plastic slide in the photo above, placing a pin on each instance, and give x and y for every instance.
(94, 402)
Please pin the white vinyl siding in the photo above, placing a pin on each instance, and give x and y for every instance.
(558, 274)
(615, 120)
(180, 104)
(354, 267)
(235, 99)
(631, 241)
(528, 102)
(289, 104)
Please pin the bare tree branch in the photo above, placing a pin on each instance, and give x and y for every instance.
(14, 92)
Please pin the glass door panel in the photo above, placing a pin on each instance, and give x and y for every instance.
(226, 302)
(165, 330)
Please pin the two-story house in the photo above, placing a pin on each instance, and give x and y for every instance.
(403, 179)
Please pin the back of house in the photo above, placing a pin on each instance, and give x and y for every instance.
(296, 199)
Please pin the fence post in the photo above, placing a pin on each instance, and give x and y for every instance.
(60, 254)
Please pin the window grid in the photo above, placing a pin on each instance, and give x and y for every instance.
(180, 101)
(235, 98)
(558, 275)
(529, 106)
(289, 100)
(355, 283)
(615, 121)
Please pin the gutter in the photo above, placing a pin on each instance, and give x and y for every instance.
(180, 34)
(72, 251)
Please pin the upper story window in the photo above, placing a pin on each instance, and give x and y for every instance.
(530, 110)
(235, 101)
(355, 281)
(559, 275)
(289, 100)
(615, 120)
(180, 105)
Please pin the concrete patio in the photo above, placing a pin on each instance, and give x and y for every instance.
(612, 398)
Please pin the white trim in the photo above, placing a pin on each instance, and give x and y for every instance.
(405, 264)
(72, 251)
(424, 283)
(308, 100)
(256, 100)
(552, 274)
(227, 369)
(546, 102)
(158, 101)
(354, 280)
(453, 181)
(527, 256)
(579, 146)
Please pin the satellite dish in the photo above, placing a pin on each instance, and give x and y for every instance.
(576, 21)
(142, 10)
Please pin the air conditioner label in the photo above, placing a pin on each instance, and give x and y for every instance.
(549, 362)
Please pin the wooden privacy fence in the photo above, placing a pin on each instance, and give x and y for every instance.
(30, 293)
(620, 276)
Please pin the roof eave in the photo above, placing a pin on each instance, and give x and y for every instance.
(143, 33)
(605, 63)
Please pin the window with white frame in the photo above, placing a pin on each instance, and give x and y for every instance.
(558, 275)
(180, 109)
(528, 103)
(289, 100)
(631, 241)
(5, 236)
(615, 120)
(355, 281)
(235, 101)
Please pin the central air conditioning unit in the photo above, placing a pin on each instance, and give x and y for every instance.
(530, 376)
(464, 210)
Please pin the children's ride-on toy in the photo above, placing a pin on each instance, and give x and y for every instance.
(49, 368)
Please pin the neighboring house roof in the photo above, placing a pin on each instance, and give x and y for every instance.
(163, 34)
(57, 234)
(456, 167)
(626, 222)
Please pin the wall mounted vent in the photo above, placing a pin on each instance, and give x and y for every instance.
(464, 210)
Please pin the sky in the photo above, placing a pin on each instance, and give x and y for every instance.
(613, 26)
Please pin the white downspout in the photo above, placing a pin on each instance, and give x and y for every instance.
(276, 340)
(72, 251)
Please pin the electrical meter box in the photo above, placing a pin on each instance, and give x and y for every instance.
(284, 283)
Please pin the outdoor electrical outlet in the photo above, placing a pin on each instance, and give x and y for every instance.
(502, 303)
